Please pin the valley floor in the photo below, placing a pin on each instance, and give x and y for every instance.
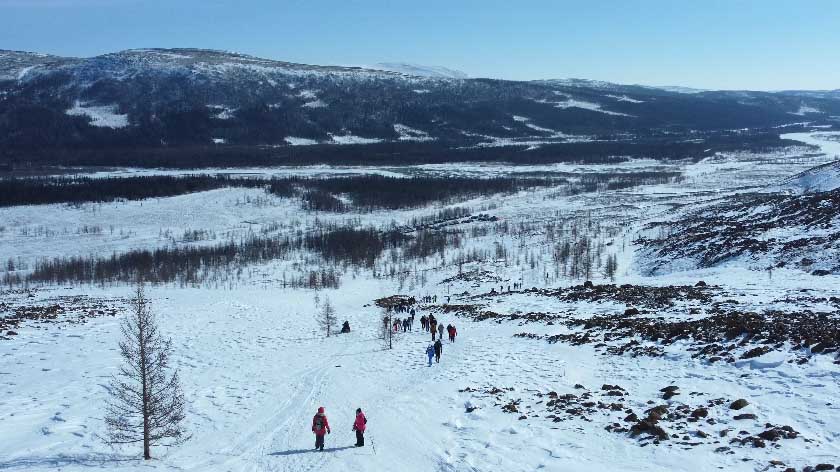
(255, 368)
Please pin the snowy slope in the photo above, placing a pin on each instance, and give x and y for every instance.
(420, 70)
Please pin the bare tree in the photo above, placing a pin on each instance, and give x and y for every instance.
(327, 319)
(611, 267)
(147, 403)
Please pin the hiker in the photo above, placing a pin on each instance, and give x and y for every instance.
(440, 331)
(424, 322)
(452, 332)
(321, 427)
(359, 427)
(433, 328)
(345, 328)
(430, 351)
(405, 325)
(438, 350)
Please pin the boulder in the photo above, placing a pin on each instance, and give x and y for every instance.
(738, 404)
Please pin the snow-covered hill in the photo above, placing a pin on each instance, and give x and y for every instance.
(420, 70)
(171, 98)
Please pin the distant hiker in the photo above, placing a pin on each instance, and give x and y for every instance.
(359, 427)
(396, 325)
(424, 323)
(452, 332)
(412, 313)
(433, 328)
(438, 350)
(321, 427)
(440, 331)
(345, 328)
(430, 351)
(405, 323)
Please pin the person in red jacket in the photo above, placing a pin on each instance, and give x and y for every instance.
(359, 427)
(321, 427)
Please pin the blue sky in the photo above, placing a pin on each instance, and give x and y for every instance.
(760, 45)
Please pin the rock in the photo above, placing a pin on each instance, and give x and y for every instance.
(669, 395)
(523, 417)
(655, 414)
(745, 416)
(755, 352)
(771, 435)
(700, 284)
(700, 413)
(588, 284)
(702, 434)
(631, 312)
(579, 386)
(11, 333)
(824, 467)
(631, 418)
(670, 388)
(738, 404)
(820, 272)
(647, 427)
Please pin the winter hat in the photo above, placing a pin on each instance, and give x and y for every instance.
(320, 409)
(358, 410)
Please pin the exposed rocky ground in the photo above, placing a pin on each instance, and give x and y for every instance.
(712, 327)
(36, 308)
(766, 230)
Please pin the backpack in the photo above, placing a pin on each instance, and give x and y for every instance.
(319, 423)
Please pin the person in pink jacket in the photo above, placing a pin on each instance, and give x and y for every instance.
(321, 427)
(359, 427)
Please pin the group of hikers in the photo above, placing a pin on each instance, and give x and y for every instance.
(432, 325)
(429, 324)
(320, 424)
(321, 427)
(516, 286)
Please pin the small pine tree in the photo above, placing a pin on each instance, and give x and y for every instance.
(327, 319)
(147, 404)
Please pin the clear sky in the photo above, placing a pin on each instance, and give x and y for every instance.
(750, 44)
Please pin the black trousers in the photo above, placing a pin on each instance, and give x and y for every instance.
(360, 438)
(319, 441)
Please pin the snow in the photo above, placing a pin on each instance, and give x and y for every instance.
(625, 98)
(219, 140)
(570, 102)
(222, 112)
(315, 104)
(254, 368)
(351, 139)
(805, 109)
(408, 133)
(23, 71)
(103, 116)
(300, 141)
(420, 70)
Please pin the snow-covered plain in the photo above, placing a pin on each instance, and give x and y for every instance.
(255, 369)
